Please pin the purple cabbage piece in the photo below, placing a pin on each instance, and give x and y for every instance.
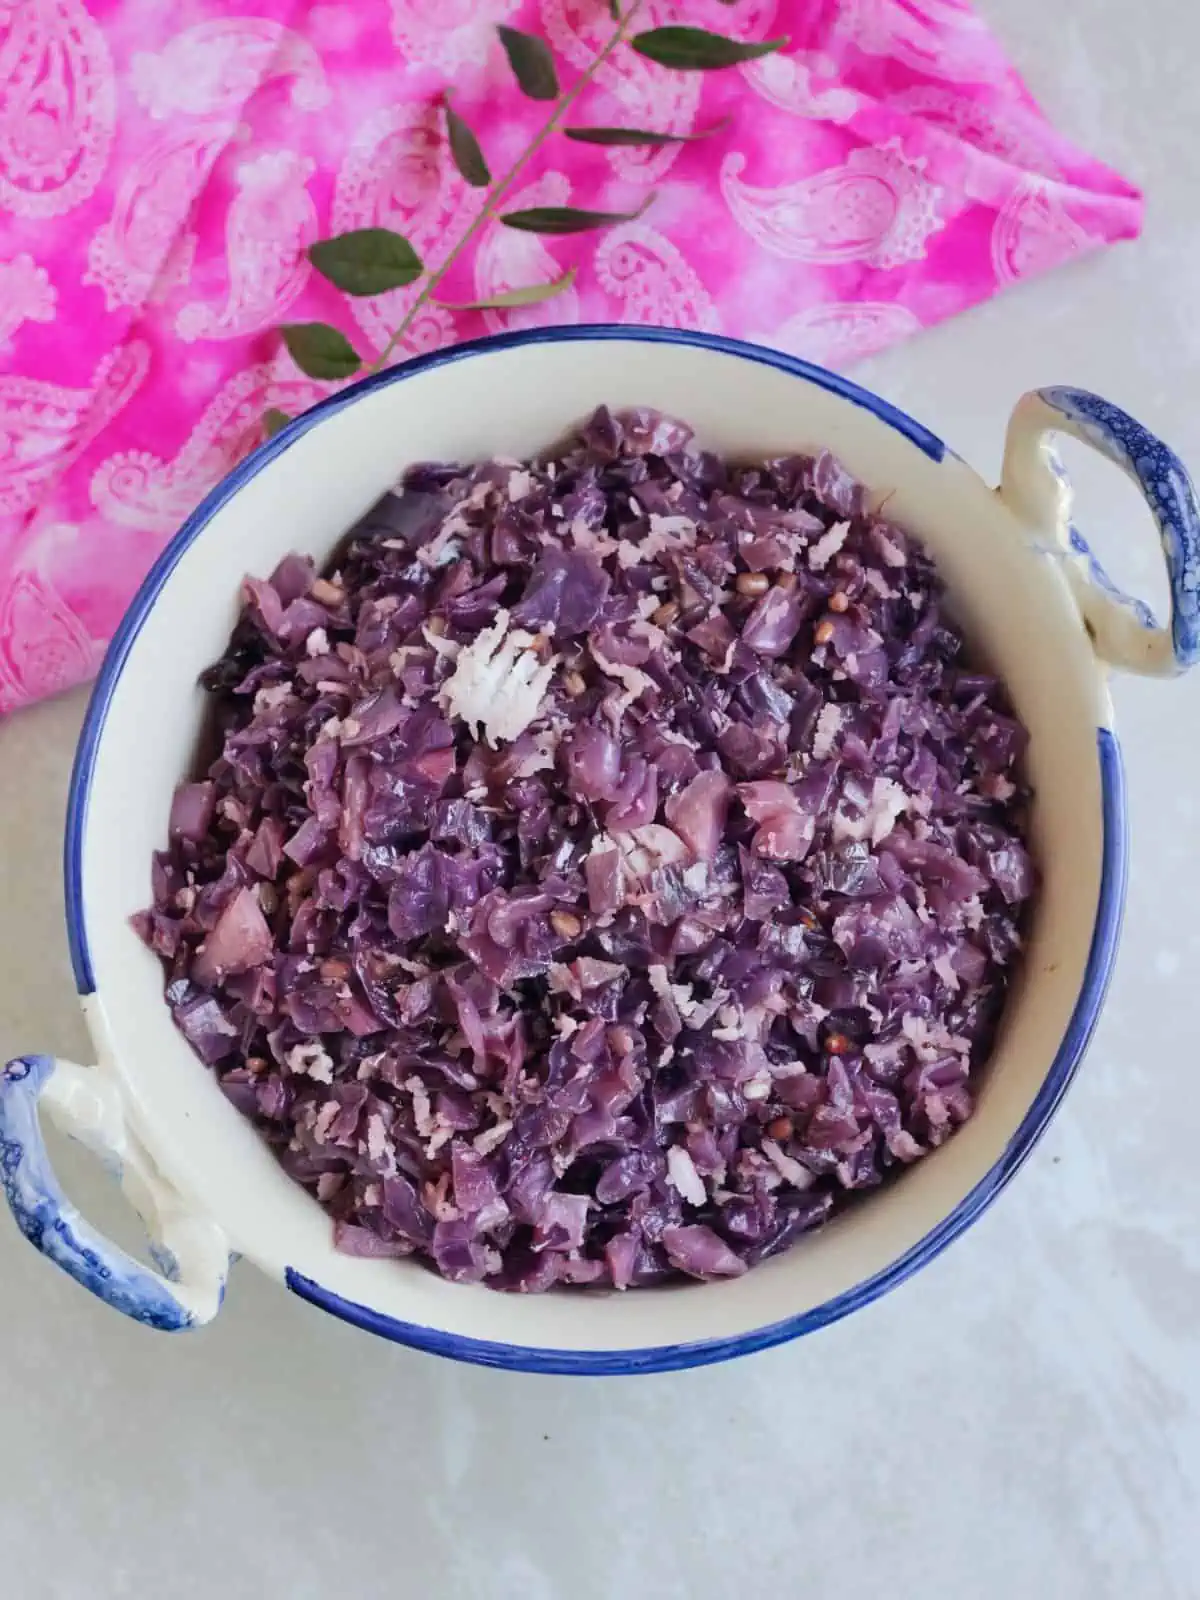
(650, 990)
(192, 811)
(566, 593)
(701, 1253)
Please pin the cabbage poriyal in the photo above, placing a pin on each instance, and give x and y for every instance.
(613, 862)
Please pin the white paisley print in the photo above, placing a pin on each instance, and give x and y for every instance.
(146, 247)
(449, 35)
(45, 426)
(876, 207)
(44, 646)
(804, 84)
(653, 283)
(140, 490)
(270, 223)
(937, 37)
(57, 106)
(1008, 134)
(26, 295)
(211, 70)
(839, 334)
(1033, 232)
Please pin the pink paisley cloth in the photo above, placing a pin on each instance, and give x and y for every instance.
(163, 166)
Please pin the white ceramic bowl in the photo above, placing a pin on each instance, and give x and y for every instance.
(1022, 585)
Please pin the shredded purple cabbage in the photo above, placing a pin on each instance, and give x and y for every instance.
(633, 937)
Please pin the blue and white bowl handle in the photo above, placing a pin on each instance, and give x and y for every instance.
(86, 1103)
(1035, 486)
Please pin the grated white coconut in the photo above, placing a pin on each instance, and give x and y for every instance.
(447, 553)
(498, 682)
(891, 553)
(943, 965)
(273, 695)
(328, 1185)
(788, 1169)
(443, 1134)
(449, 648)
(540, 757)
(520, 484)
(633, 681)
(680, 994)
(369, 1066)
(667, 534)
(311, 1059)
(682, 1175)
(787, 1069)
(377, 1138)
(828, 545)
(433, 553)
(598, 542)
(825, 732)
(422, 1107)
(646, 849)
(699, 1013)
(933, 1039)
(491, 1138)
(398, 659)
(326, 1116)
(888, 801)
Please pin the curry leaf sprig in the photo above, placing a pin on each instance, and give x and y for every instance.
(372, 261)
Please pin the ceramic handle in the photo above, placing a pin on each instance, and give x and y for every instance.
(1036, 487)
(85, 1103)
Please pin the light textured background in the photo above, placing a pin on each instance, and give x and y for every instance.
(1023, 1419)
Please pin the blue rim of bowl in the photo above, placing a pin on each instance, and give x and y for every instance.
(664, 1358)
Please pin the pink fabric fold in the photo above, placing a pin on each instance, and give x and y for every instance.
(163, 167)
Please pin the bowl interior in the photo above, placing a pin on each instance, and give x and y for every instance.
(515, 400)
